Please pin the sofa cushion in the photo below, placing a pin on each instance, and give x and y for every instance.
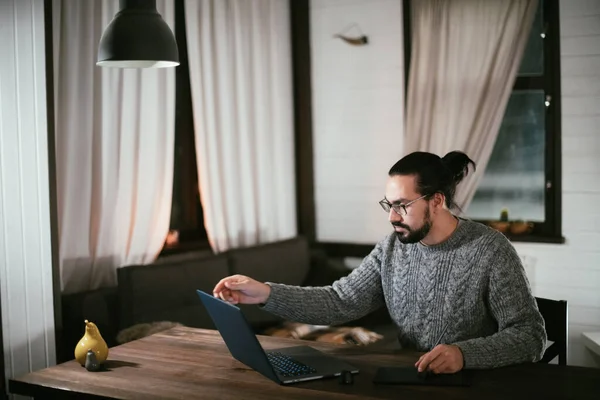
(167, 292)
(286, 261)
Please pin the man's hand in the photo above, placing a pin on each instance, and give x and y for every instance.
(443, 359)
(241, 289)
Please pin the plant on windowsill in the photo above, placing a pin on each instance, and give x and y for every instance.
(517, 227)
(503, 224)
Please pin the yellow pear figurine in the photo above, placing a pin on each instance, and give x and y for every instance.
(91, 340)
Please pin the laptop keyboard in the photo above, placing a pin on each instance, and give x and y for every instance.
(287, 366)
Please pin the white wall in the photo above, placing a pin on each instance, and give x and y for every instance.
(358, 104)
(25, 251)
(571, 271)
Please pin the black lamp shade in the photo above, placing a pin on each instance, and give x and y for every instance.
(138, 37)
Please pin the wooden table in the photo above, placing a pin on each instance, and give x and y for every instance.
(187, 363)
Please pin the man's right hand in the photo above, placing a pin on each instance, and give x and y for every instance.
(239, 289)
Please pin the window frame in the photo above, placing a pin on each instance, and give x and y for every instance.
(550, 231)
(192, 234)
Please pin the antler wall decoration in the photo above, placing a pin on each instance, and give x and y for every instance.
(359, 40)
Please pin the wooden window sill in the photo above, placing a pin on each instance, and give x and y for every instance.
(184, 247)
(535, 238)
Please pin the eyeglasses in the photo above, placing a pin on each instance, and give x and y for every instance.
(400, 209)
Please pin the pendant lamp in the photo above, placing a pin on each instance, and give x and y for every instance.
(138, 37)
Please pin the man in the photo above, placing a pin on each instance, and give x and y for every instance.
(456, 289)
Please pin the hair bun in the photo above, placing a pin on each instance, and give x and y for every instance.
(458, 164)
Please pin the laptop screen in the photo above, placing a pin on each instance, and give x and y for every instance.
(237, 334)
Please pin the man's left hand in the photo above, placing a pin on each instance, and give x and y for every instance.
(443, 359)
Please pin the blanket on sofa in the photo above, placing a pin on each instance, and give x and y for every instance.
(319, 333)
(323, 333)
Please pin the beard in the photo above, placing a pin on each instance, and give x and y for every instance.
(413, 235)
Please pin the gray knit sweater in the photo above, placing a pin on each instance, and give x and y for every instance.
(473, 283)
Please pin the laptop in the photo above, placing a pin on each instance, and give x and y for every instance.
(284, 365)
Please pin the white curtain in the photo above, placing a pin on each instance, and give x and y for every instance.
(465, 58)
(240, 71)
(114, 150)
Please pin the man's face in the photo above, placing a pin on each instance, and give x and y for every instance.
(416, 224)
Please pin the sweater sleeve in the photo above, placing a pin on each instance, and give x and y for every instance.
(521, 335)
(347, 299)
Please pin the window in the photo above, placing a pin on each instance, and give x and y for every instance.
(186, 213)
(522, 179)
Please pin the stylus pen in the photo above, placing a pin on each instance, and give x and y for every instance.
(424, 373)
(441, 336)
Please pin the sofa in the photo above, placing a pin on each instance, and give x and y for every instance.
(166, 289)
